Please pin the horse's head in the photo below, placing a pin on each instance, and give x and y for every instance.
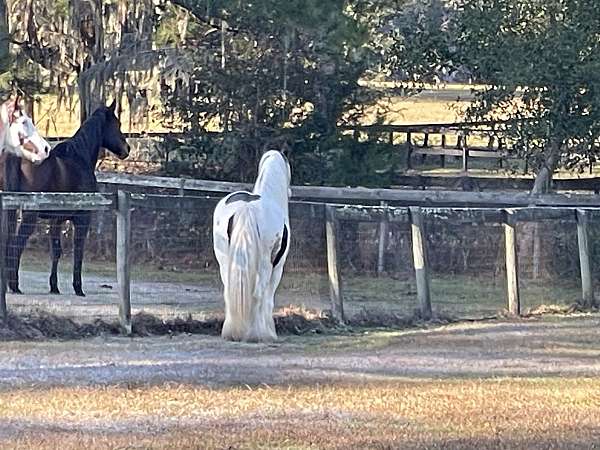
(274, 164)
(21, 137)
(113, 139)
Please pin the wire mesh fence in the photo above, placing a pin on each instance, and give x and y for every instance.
(468, 277)
(173, 269)
(174, 272)
(549, 271)
(378, 279)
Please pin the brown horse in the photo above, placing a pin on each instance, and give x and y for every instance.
(70, 168)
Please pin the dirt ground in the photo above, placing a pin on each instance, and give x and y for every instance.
(164, 299)
(527, 383)
(549, 346)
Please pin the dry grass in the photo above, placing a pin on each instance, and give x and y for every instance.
(506, 413)
(438, 105)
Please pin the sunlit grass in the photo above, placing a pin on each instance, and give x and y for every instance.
(460, 296)
(508, 413)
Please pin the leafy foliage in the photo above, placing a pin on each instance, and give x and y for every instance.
(539, 63)
(271, 74)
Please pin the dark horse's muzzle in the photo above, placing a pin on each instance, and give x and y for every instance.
(125, 149)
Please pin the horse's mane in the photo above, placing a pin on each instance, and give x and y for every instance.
(86, 142)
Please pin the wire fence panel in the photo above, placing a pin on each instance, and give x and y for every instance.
(174, 272)
(98, 272)
(467, 265)
(377, 279)
(548, 264)
(173, 268)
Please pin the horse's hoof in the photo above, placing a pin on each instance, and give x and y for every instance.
(15, 290)
(79, 293)
(54, 291)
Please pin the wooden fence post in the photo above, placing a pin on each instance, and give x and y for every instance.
(383, 232)
(419, 248)
(465, 154)
(512, 267)
(409, 150)
(537, 251)
(3, 248)
(333, 267)
(584, 258)
(123, 263)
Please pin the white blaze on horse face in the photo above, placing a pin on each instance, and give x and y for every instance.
(19, 136)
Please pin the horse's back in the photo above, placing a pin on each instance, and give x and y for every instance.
(271, 217)
(271, 221)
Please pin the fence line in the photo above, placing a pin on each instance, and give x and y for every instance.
(399, 197)
(444, 206)
(508, 217)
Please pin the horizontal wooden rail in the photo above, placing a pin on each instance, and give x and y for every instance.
(462, 215)
(46, 201)
(400, 197)
(486, 125)
(472, 182)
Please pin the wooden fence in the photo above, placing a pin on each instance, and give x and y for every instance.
(414, 215)
(455, 139)
(458, 206)
(397, 197)
(495, 147)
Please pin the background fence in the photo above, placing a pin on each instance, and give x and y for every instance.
(167, 267)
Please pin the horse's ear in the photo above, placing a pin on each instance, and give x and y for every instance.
(113, 106)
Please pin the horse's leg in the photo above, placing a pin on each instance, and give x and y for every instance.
(16, 247)
(56, 252)
(269, 303)
(82, 225)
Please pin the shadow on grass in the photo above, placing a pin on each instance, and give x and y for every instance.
(40, 325)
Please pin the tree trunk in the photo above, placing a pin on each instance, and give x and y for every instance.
(544, 176)
(542, 185)
(4, 38)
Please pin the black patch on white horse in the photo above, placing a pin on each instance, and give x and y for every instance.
(282, 247)
(242, 197)
(230, 228)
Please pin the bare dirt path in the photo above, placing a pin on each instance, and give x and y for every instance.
(550, 346)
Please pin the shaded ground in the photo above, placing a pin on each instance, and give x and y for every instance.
(531, 383)
(199, 294)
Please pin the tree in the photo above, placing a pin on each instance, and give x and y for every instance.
(89, 47)
(269, 74)
(539, 61)
(4, 37)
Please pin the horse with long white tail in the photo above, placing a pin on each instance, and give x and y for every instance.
(251, 235)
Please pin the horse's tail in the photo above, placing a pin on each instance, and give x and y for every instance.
(241, 296)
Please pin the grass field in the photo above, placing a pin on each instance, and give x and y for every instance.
(520, 384)
(504, 413)
(434, 106)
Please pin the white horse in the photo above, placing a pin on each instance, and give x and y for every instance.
(251, 235)
(19, 136)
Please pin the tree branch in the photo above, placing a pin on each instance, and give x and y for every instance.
(215, 23)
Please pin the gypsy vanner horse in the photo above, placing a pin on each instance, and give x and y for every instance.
(251, 233)
(69, 168)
